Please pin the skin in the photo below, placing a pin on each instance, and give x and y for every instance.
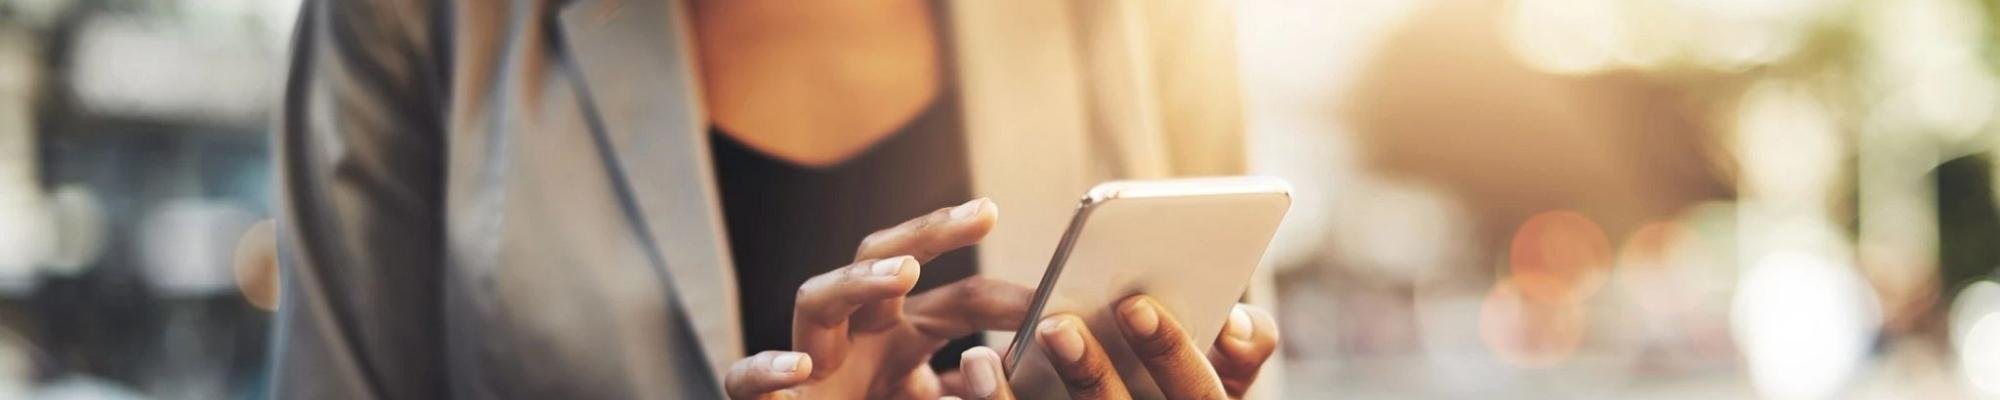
(815, 82)
(1180, 369)
(864, 336)
(858, 334)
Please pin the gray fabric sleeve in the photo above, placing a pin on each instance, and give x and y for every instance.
(360, 154)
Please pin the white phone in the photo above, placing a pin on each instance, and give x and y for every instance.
(1191, 244)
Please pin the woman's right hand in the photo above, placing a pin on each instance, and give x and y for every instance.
(1180, 368)
(856, 335)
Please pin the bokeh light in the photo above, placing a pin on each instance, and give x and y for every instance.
(1563, 36)
(1979, 356)
(1734, 35)
(1649, 271)
(1559, 257)
(1584, 36)
(188, 245)
(1804, 323)
(80, 230)
(1927, 54)
(1975, 335)
(1976, 301)
(1788, 143)
(1760, 9)
(1678, 274)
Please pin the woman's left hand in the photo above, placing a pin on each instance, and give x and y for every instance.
(858, 333)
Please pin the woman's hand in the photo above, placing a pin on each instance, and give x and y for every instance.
(856, 335)
(1176, 365)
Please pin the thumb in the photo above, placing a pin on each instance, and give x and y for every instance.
(768, 375)
(984, 379)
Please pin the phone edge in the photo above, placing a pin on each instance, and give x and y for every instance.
(1024, 337)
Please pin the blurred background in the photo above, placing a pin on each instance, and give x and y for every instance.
(1496, 198)
(133, 155)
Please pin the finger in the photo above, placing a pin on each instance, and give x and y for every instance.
(1177, 366)
(940, 231)
(969, 306)
(921, 383)
(961, 308)
(952, 381)
(1079, 360)
(1248, 339)
(983, 377)
(821, 317)
(768, 375)
(924, 238)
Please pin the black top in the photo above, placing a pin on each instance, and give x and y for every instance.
(788, 223)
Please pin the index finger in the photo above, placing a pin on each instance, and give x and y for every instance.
(1079, 360)
(827, 305)
(1181, 371)
(923, 238)
(938, 232)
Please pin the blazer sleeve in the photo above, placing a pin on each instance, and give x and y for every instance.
(360, 154)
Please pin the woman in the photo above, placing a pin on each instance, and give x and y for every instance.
(487, 199)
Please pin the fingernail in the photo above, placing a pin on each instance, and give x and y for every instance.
(968, 209)
(1140, 316)
(1239, 324)
(983, 375)
(888, 266)
(789, 362)
(1058, 335)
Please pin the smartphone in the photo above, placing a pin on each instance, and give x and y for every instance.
(1191, 244)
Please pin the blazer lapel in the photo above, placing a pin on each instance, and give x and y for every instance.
(639, 75)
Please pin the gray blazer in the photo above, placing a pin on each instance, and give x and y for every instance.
(479, 201)
(513, 198)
